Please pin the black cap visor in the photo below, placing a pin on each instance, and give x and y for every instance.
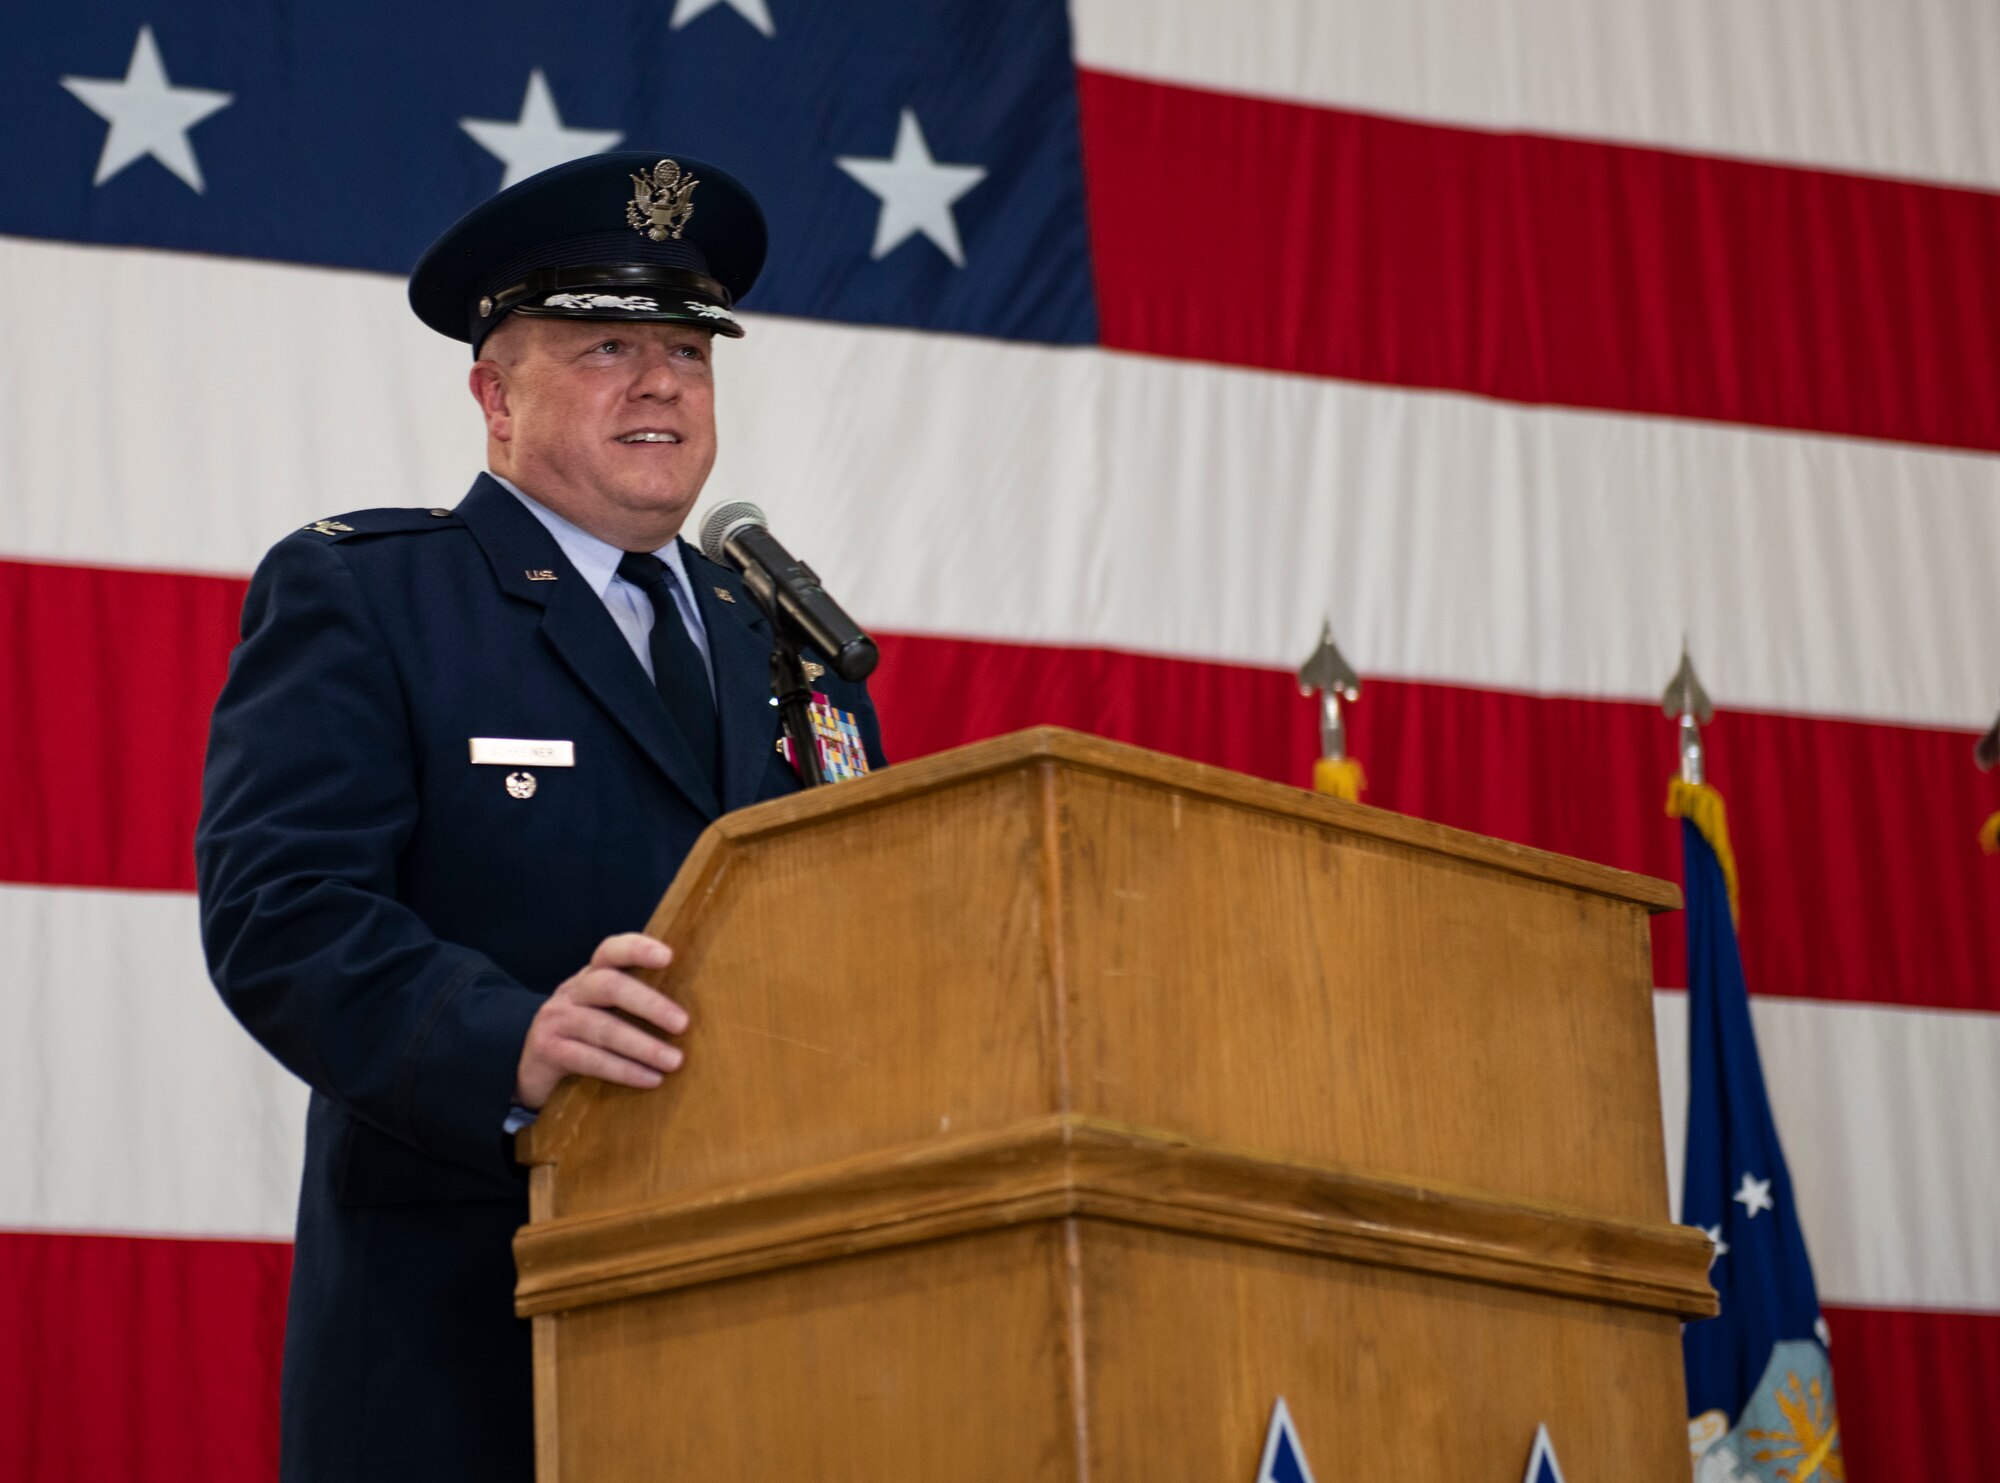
(627, 291)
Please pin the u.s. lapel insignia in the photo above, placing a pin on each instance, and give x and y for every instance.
(521, 785)
(539, 574)
(330, 528)
(724, 594)
(813, 671)
(660, 206)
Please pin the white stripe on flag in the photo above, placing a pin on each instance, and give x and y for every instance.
(1901, 90)
(978, 488)
(1887, 1117)
(140, 1106)
(134, 1102)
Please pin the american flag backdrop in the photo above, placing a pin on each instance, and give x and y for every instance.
(1105, 348)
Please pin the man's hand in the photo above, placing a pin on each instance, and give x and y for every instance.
(576, 1033)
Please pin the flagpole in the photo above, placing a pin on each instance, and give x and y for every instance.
(1689, 796)
(1759, 1377)
(1986, 752)
(1327, 672)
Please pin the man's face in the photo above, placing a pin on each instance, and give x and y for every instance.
(609, 423)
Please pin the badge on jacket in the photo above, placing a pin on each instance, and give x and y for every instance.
(515, 751)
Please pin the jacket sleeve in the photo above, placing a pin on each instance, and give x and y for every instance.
(309, 799)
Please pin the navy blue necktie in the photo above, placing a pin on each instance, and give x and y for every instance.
(678, 673)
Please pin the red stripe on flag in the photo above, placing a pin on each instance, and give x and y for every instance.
(1916, 1392)
(1294, 238)
(138, 1358)
(108, 682)
(1861, 876)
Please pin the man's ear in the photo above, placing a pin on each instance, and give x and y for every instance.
(488, 385)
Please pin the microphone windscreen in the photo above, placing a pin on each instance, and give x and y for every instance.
(723, 522)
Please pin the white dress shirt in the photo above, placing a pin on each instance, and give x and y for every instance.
(597, 563)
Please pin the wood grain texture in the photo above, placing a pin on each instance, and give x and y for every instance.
(1062, 1166)
(1079, 1350)
(1388, 1374)
(1252, 979)
(856, 986)
(1019, 1069)
(546, 1334)
(1050, 923)
(944, 1361)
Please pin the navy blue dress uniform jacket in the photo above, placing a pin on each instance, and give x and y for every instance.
(386, 918)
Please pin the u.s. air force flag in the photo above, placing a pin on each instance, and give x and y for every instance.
(1760, 1386)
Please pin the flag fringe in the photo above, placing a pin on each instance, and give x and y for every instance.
(1989, 835)
(1339, 777)
(1702, 807)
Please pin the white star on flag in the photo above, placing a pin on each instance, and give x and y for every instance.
(148, 115)
(538, 139)
(756, 12)
(1754, 1195)
(1714, 1234)
(917, 192)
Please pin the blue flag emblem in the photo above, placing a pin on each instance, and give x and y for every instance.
(1760, 1385)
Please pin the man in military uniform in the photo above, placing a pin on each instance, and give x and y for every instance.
(459, 756)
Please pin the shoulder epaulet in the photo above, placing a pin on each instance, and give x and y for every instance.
(393, 521)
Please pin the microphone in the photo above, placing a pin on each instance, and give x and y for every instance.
(738, 535)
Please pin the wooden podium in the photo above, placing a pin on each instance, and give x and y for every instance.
(1053, 1107)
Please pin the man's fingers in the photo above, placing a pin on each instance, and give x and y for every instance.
(596, 1027)
(576, 1034)
(631, 950)
(577, 1058)
(608, 988)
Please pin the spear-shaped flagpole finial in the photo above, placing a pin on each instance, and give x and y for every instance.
(1688, 796)
(1328, 672)
(1688, 703)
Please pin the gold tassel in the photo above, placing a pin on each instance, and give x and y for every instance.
(1339, 778)
(1702, 806)
(1989, 835)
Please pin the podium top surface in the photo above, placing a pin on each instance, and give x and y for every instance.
(1075, 750)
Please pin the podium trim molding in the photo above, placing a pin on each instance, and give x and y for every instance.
(1063, 1167)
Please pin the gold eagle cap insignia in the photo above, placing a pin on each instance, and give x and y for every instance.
(660, 204)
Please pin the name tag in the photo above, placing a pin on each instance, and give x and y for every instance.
(508, 751)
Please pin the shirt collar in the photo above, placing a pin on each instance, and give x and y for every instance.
(596, 561)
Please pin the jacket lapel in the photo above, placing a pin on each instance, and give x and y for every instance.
(578, 628)
(739, 650)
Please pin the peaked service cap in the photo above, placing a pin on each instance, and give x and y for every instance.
(632, 235)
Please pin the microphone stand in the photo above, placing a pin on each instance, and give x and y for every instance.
(789, 684)
(788, 678)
